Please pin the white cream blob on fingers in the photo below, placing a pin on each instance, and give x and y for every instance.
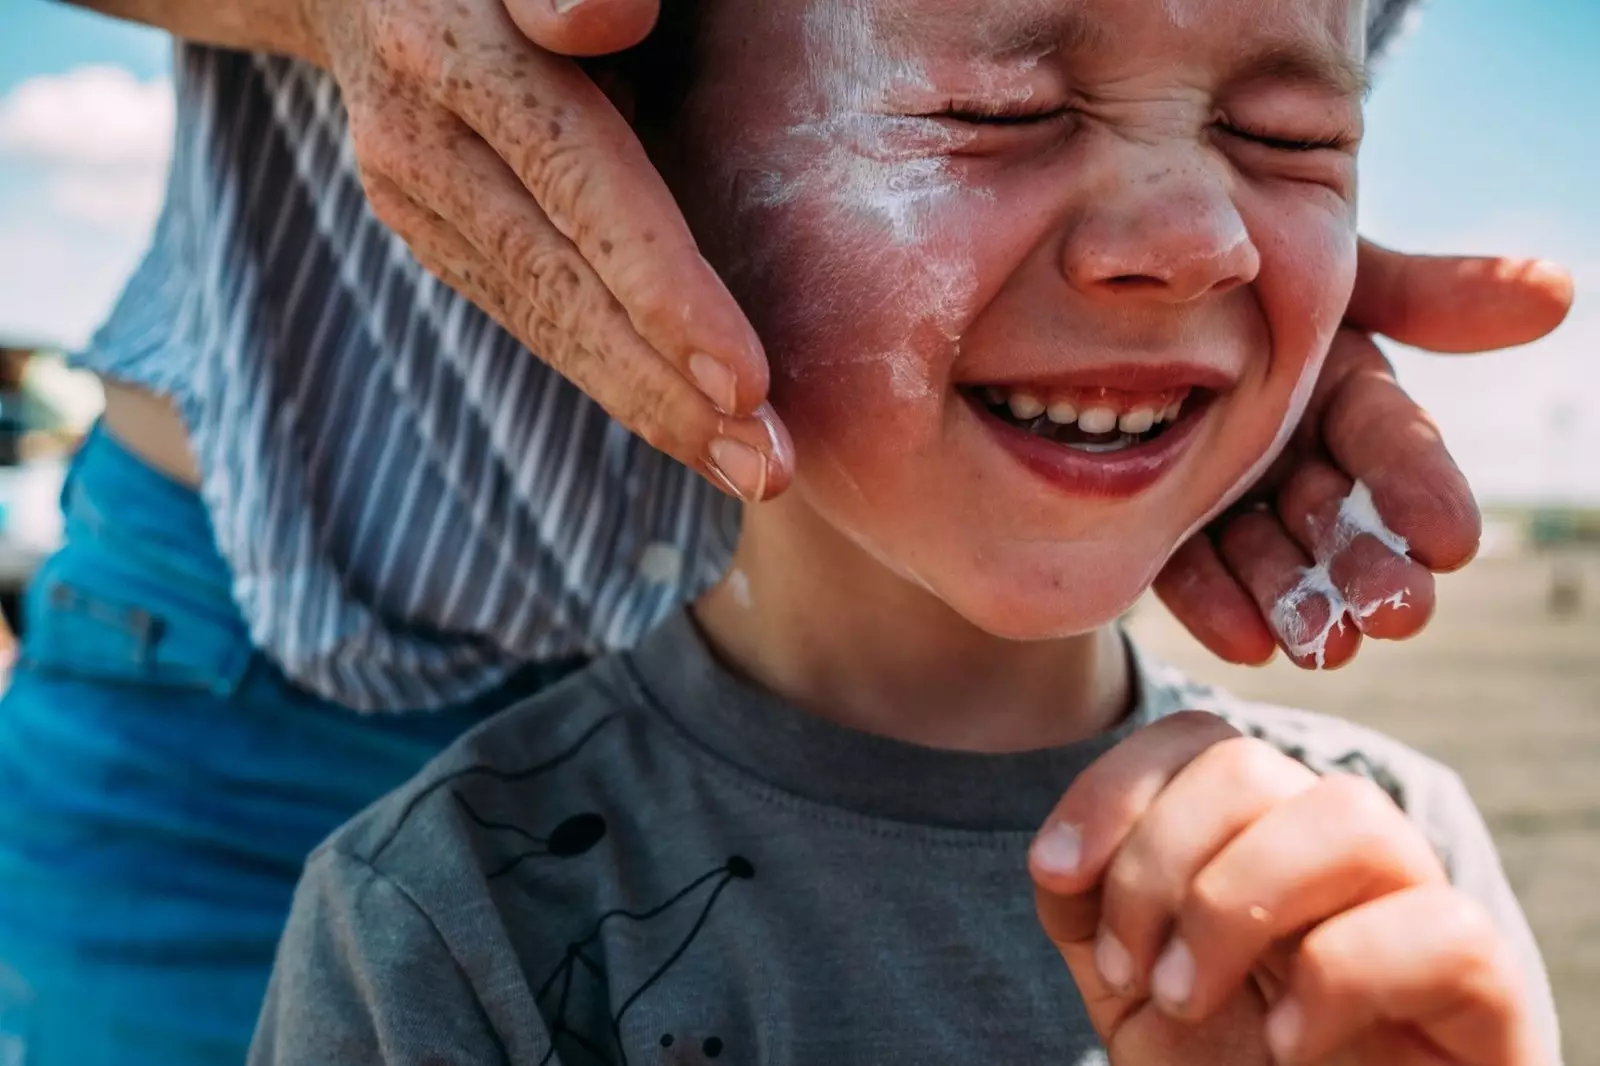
(1358, 515)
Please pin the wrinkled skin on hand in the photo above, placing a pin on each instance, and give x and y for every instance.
(1226, 582)
(514, 179)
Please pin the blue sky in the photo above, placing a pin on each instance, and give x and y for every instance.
(1483, 134)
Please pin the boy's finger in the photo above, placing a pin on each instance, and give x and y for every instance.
(1427, 960)
(1224, 790)
(1211, 604)
(1457, 303)
(1332, 847)
(584, 27)
(576, 156)
(1306, 611)
(1099, 810)
(1390, 595)
(1377, 435)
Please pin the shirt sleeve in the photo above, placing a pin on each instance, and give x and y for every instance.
(1458, 831)
(363, 975)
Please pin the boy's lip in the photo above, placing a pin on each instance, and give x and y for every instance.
(1106, 475)
(1121, 377)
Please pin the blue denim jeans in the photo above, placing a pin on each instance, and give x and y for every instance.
(161, 783)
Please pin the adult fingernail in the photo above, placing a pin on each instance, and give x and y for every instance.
(1172, 980)
(715, 380)
(563, 6)
(1113, 961)
(1284, 1026)
(1058, 849)
(742, 469)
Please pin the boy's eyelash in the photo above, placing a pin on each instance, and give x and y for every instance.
(978, 115)
(1283, 144)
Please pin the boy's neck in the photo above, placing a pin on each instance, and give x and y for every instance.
(814, 619)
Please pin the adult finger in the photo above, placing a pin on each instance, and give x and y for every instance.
(1332, 847)
(1377, 435)
(1426, 959)
(474, 191)
(662, 408)
(590, 176)
(1202, 595)
(584, 27)
(1389, 594)
(1305, 609)
(1457, 303)
(1210, 801)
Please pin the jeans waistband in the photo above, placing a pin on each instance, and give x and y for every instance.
(138, 593)
(114, 497)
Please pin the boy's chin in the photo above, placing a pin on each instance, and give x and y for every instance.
(1036, 615)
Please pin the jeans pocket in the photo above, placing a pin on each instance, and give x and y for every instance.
(128, 630)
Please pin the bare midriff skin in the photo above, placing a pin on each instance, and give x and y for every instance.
(149, 426)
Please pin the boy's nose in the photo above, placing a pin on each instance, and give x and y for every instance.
(1169, 239)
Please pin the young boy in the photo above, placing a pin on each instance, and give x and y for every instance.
(1045, 283)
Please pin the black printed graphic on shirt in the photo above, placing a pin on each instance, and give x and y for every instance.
(577, 983)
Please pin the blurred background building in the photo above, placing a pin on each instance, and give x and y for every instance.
(1482, 136)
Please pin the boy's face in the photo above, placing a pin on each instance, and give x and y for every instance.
(1045, 283)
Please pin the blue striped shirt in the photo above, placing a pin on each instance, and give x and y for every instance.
(412, 504)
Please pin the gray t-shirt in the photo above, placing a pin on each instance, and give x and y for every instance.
(655, 863)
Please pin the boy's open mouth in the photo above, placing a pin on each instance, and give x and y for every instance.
(1091, 420)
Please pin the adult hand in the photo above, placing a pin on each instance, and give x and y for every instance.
(511, 176)
(1217, 902)
(1246, 586)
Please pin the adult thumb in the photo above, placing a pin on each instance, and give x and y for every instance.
(1457, 303)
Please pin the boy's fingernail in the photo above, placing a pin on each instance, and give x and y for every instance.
(715, 380)
(1172, 980)
(1113, 961)
(1284, 1025)
(1058, 849)
(742, 469)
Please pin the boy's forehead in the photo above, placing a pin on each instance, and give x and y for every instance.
(1321, 37)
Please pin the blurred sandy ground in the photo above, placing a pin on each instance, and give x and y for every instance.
(1508, 693)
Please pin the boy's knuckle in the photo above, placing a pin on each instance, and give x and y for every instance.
(1211, 903)
(1359, 798)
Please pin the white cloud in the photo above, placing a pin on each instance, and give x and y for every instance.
(58, 282)
(98, 139)
(94, 116)
(126, 203)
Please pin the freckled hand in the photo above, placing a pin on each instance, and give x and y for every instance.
(513, 178)
(1342, 537)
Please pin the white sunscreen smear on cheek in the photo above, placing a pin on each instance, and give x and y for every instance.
(1357, 515)
(847, 150)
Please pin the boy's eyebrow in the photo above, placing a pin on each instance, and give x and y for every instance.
(1314, 64)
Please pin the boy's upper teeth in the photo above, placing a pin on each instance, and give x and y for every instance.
(1138, 420)
(1025, 405)
(1062, 413)
(1094, 410)
(1098, 420)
